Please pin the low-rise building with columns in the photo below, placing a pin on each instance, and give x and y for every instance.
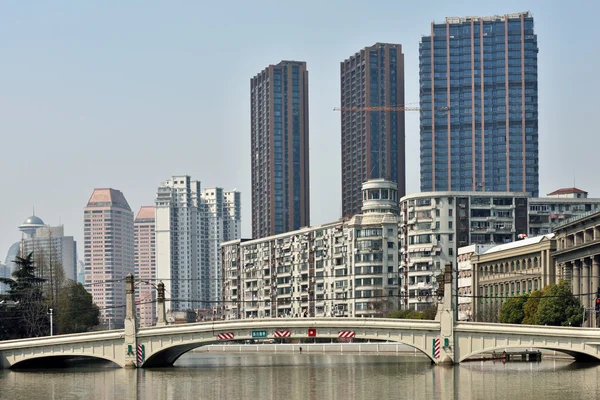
(577, 255)
(509, 270)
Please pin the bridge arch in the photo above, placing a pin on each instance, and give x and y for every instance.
(56, 360)
(578, 355)
(168, 355)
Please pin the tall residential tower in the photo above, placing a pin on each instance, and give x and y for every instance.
(108, 252)
(479, 105)
(280, 172)
(145, 264)
(191, 223)
(372, 91)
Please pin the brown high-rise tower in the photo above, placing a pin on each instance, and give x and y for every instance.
(280, 180)
(372, 141)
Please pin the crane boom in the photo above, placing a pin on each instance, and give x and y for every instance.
(384, 108)
(377, 108)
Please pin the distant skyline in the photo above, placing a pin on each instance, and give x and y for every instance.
(117, 95)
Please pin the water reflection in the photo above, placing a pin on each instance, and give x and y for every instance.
(308, 376)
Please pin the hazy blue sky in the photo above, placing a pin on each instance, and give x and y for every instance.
(126, 94)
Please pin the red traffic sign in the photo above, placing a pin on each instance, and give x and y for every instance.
(312, 332)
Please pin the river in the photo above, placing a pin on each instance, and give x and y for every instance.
(304, 376)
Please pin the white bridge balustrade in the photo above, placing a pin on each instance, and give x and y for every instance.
(164, 344)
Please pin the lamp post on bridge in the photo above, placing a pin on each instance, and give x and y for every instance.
(130, 324)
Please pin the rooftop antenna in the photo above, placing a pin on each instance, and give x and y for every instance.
(33, 207)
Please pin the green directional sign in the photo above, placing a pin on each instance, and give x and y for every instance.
(259, 334)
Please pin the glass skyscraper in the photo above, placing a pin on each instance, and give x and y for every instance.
(372, 94)
(280, 170)
(479, 105)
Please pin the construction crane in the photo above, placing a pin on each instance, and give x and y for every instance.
(377, 108)
(384, 108)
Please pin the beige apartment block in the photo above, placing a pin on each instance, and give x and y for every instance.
(145, 265)
(108, 252)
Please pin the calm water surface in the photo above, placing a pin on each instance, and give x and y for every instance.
(308, 376)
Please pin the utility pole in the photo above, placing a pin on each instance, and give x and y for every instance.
(597, 307)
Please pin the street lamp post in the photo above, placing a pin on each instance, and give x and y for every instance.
(51, 324)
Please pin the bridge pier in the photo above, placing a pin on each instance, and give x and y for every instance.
(445, 315)
(130, 338)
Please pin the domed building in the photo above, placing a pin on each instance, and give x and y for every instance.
(31, 225)
(48, 243)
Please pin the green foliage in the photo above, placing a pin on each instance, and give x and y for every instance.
(76, 310)
(406, 314)
(428, 313)
(531, 306)
(558, 306)
(512, 311)
(27, 316)
(554, 305)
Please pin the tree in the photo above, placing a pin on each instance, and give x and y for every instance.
(26, 291)
(428, 313)
(76, 310)
(406, 314)
(512, 311)
(559, 307)
(531, 306)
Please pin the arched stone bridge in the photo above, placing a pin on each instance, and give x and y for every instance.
(164, 345)
(443, 340)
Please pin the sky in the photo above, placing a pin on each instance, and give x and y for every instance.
(126, 94)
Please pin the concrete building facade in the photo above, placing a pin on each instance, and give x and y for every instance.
(347, 268)
(577, 257)
(510, 270)
(466, 256)
(372, 84)
(279, 149)
(434, 225)
(108, 252)
(144, 227)
(547, 212)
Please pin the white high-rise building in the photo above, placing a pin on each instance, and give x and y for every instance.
(221, 217)
(190, 226)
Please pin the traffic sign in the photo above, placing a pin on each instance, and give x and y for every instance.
(259, 334)
(225, 336)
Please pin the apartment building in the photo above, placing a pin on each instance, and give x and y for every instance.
(346, 268)
(144, 227)
(108, 252)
